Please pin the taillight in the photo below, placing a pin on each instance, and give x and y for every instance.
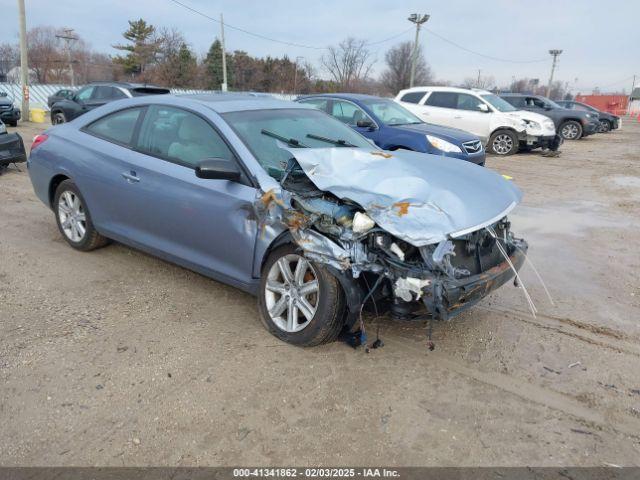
(38, 139)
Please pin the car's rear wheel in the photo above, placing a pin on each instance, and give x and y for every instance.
(74, 220)
(299, 301)
(58, 118)
(571, 130)
(605, 126)
(503, 142)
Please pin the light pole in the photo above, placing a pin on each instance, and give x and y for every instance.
(418, 19)
(555, 54)
(224, 85)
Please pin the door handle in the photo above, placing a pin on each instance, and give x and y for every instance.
(130, 177)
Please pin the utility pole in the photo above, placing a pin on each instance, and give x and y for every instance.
(633, 86)
(555, 54)
(68, 37)
(418, 20)
(24, 64)
(295, 74)
(224, 56)
(478, 81)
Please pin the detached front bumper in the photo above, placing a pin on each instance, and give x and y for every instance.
(458, 295)
(11, 149)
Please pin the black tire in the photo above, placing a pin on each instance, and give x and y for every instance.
(58, 118)
(328, 320)
(91, 239)
(13, 124)
(605, 126)
(503, 143)
(570, 130)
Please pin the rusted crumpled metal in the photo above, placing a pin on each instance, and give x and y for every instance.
(419, 198)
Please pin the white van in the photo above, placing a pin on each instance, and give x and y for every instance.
(502, 128)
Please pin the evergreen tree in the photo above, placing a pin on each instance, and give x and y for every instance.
(213, 67)
(142, 48)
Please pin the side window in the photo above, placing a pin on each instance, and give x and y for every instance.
(116, 127)
(576, 106)
(443, 100)
(536, 102)
(469, 102)
(117, 94)
(180, 136)
(319, 103)
(85, 93)
(413, 97)
(102, 93)
(348, 112)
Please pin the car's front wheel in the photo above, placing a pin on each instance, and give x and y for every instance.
(74, 220)
(605, 126)
(58, 118)
(299, 301)
(571, 130)
(503, 142)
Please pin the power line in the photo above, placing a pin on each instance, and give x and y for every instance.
(283, 42)
(497, 59)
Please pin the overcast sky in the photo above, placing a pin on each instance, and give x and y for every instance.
(600, 38)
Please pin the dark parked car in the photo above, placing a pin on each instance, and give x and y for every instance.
(11, 147)
(97, 94)
(9, 114)
(570, 124)
(393, 127)
(64, 94)
(608, 121)
(283, 201)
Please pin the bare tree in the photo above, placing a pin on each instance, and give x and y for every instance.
(45, 54)
(398, 72)
(349, 63)
(9, 57)
(482, 81)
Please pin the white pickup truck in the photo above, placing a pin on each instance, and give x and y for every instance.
(502, 127)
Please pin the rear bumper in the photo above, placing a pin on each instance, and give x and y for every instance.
(12, 149)
(463, 293)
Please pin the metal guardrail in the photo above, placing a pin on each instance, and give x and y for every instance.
(38, 93)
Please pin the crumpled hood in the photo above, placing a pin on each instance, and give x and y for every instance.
(417, 197)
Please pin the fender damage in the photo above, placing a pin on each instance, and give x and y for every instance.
(429, 232)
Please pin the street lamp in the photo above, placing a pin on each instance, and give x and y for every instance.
(418, 19)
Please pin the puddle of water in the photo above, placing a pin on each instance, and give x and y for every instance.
(626, 181)
(572, 219)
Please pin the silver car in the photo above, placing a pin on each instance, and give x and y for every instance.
(283, 201)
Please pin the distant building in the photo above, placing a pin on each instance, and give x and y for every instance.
(614, 103)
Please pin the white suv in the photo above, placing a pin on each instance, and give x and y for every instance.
(502, 128)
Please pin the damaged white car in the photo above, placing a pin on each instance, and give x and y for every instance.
(285, 202)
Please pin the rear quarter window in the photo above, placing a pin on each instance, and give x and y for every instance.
(117, 127)
(413, 97)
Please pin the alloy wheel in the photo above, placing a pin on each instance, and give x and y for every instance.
(58, 119)
(604, 126)
(570, 131)
(292, 293)
(73, 220)
(502, 144)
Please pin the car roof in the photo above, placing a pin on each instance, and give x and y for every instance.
(124, 84)
(442, 88)
(224, 102)
(344, 96)
(508, 94)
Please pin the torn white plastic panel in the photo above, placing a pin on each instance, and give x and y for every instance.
(419, 198)
(409, 288)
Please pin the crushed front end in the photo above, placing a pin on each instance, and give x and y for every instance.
(401, 275)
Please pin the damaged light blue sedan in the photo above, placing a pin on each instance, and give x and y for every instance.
(283, 201)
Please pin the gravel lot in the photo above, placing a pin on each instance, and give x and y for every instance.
(117, 358)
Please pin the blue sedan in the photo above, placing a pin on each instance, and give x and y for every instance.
(283, 201)
(393, 127)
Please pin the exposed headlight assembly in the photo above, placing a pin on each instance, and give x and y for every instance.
(443, 145)
(532, 124)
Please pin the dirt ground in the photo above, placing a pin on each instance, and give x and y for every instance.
(117, 358)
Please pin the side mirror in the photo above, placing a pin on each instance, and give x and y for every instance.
(484, 107)
(365, 124)
(218, 169)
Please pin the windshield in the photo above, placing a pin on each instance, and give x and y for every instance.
(265, 131)
(390, 113)
(498, 103)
